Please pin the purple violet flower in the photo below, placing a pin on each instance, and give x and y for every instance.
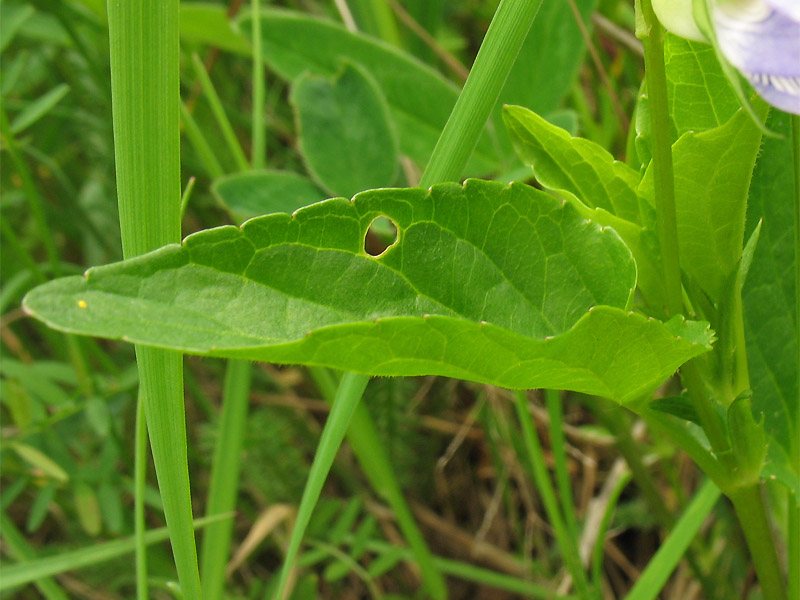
(761, 38)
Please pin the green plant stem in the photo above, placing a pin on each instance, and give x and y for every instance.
(504, 38)
(37, 569)
(222, 491)
(31, 193)
(795, 434)
(219, 114)
(650, 32)
(750, 507)
(144, 47)
(259, 132)
(140, 483)
(187, 194)
(567, 544)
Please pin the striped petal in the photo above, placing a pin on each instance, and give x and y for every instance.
(761, 38)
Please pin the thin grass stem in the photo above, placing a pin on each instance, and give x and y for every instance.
(559, 448)
(259, 150)
(219, 114)
(206, 155)
(567, 544)
(499, 50)
(348, 395)
(222, 491)
(140, 483)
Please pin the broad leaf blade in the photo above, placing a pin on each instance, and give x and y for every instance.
(420, 99)
(699, 93)
(487, 282)
(346, 138)
(769, 292)
(574, 165)
(605, 189)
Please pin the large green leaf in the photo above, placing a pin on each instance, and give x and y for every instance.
(769, 292)
(346, 138)
(699, 93)
(494, 283)
(712, 176)
(420, 99)
(603, 189)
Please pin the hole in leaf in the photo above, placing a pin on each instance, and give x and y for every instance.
(382, 234)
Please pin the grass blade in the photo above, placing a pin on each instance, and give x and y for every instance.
(36, 569)
(145, 91)
(224, 485)
(348, 396)
(666, 559)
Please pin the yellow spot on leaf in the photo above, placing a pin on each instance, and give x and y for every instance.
(82, 304)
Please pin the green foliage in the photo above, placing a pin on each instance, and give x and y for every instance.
(205, 300)
(769, 292)
(420, 100)
(712, 178)
(346, 137)
(257, 193)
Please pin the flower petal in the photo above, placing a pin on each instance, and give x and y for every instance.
(790, 8)
(763, 43)
(676, 17)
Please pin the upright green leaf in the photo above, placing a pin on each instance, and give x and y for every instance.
(420, 99)
(494, 283)
(346, 138)
(712, 177)
(769, 292)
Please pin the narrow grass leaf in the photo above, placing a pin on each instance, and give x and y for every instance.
(38, 108)
(35, 569)
(660, 567)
